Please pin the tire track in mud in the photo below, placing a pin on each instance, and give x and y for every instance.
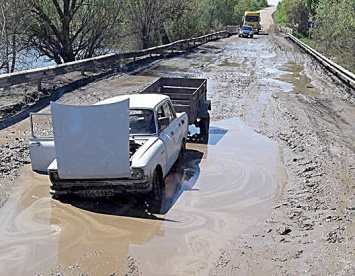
(316, 209)
(312, 224)
(311, 204)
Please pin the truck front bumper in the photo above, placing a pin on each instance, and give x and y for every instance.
(97, 187)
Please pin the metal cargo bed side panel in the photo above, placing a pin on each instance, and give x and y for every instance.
(182, 82)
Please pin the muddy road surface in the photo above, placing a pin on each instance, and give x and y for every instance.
(272, 193)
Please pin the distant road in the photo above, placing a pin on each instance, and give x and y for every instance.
(266, 17)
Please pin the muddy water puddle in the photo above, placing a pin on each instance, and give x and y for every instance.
(222, 189)
(300, 83)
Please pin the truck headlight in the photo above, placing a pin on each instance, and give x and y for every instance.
(137, 173)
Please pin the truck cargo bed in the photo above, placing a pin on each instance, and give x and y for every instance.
(187, 95)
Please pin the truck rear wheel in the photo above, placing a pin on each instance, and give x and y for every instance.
(204, 128)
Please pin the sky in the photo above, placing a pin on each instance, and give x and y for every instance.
(273, 2)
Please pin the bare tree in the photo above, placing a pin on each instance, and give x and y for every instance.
(66, 30)
(11, 27)
(146, 19)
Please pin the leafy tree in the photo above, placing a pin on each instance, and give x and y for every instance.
(210, 14)
(247, 5)
(281, 13)
(186, 22)
(66, 30)
(334, 29)
(261, 4)
(297, 15)
(219, 13)
(312, 6)
(225, 14)
(293, 13)
(239, 9)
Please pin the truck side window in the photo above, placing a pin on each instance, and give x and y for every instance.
(160, 112)
(165, 115)
(163, 121)
(169, 111)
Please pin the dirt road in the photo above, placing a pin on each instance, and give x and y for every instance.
(271, 194)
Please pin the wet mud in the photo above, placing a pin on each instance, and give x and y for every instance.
(239, 168)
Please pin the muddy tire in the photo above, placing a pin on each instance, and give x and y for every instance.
(155, 197)
(65, 198)
(204, 129)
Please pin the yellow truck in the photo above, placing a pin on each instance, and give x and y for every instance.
(252, 19)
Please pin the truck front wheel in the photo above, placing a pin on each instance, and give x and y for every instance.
(180, 159)
(156, 196)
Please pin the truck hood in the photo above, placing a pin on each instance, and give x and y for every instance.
(91, 141)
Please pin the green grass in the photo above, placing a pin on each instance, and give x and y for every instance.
(305, 40)
(308, 42)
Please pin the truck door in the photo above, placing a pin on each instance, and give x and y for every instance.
(168, 133)
(177, 128)
(41, 145)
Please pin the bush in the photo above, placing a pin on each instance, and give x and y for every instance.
(297, 35)
(308, 42)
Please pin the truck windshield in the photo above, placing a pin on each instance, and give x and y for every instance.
(252, 18)
(142, 121)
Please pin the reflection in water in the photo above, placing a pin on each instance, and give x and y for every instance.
(100, 241)
(222, 189)
(214, 135)
(25, 232)
(182, 178)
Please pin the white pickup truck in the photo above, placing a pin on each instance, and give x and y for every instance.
(105, 149)
(121, 144)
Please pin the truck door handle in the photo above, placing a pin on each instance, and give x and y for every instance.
(35, 144)
(172, 133)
